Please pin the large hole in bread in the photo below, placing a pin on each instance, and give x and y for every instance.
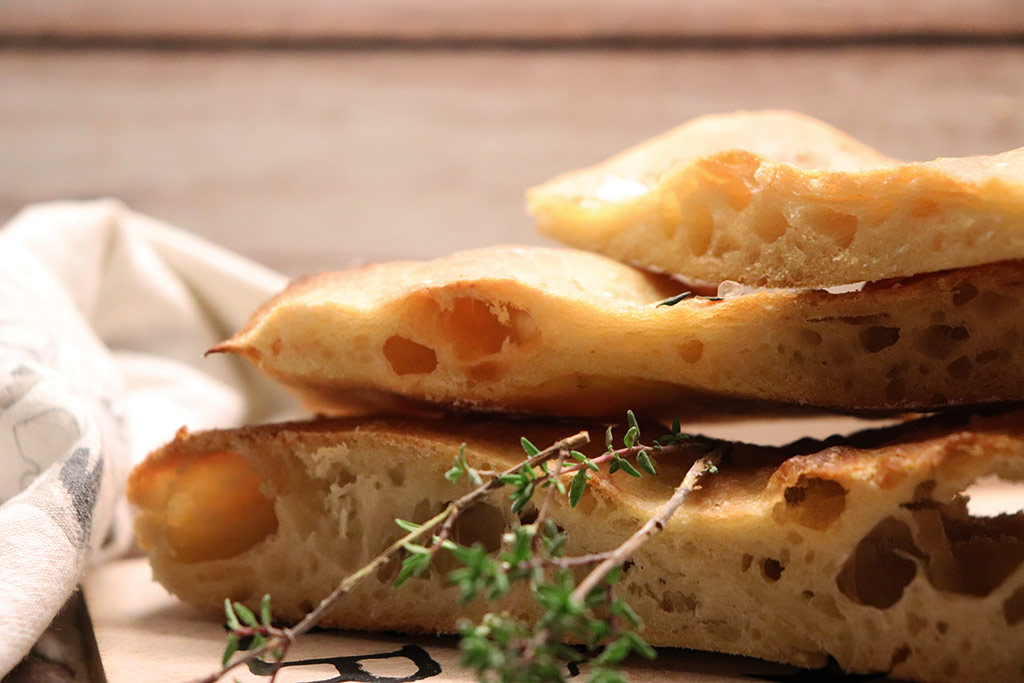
(877, 337)
(477, 329)
(966, 552)
(958, 552)
(840, 226)
(964, 293)
(880, 567)
(473, 329)
(483, 524)
(970, 555)
(771, 227)
(407, 357)
(216, 509)
(987, 551)
(813, 502)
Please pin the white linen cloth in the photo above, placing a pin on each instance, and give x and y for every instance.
(104, 318)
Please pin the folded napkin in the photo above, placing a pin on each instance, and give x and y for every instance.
(104, 318)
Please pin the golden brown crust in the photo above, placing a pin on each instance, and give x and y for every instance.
(789, 554)
(780, 199)
(563, 332)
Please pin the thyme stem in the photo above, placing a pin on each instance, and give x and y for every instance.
(556, 472)
(653, 526)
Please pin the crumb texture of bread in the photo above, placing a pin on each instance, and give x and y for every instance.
(867, 554)
(779, 199)
(565, 332)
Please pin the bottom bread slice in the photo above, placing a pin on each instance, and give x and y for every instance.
(866, 553)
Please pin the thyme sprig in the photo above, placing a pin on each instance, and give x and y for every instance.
(501, 647)
(588, 612)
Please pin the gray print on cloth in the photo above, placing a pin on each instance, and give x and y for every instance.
(83, 485)
(22, 379)
(43, 439)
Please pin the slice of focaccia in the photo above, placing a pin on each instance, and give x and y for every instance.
(867, 554)
(780, 199)
(566, 332)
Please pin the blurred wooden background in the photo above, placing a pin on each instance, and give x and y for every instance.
(312, 134)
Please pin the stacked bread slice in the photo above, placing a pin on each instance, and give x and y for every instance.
(569, 333)
(860, 549)
(783, 200)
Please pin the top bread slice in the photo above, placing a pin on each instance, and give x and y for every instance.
(861, 550)
(779, 199)
(570, 333)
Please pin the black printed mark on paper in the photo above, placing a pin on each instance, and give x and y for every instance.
(350, 669)
(832, 672)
